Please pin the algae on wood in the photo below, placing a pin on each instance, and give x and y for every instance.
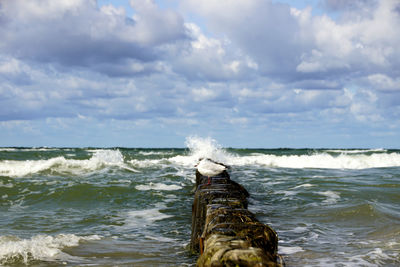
(224, 231)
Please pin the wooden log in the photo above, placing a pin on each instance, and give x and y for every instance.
(224, 231)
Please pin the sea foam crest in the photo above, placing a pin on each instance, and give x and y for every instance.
(158, 187)
(324, 159)
(202, 148)
(321, 160)
(40, 247)
(60, 165)
(356, 151)
(143, 218)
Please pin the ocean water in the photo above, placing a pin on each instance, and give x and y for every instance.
(132, 207)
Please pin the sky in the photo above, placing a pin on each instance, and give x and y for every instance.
(247, 73)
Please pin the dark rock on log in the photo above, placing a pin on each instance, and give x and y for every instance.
(224, 231)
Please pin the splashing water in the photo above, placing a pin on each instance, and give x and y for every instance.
(326, 159)
(203, 148)
(100, 159)
(40, 247)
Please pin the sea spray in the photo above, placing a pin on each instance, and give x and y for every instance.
(203, 148)
(206, 148)
(329, 159)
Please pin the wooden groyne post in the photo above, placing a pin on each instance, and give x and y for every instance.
(224, 231)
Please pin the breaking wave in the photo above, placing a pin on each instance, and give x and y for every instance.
(324, 159)
(158, 187)
(100, 159)
(202, 148)
(321, 160)
(14, 250)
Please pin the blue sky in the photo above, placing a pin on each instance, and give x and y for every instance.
(248, 73)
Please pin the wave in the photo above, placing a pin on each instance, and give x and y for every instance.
(138, 219)
(202, 148)
(157, 153)
(158, 187)
(321, 160)
(31, 149)
(100, 159)
(14, 250)
(347, 159)
(185, 161)
(356, 151)
(148, 163)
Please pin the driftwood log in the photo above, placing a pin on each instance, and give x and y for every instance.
(224, 231)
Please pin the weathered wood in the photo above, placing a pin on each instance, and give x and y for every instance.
(224, 231)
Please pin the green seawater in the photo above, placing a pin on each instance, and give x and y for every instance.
(132, 207)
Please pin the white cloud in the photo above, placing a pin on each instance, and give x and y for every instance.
(77, 33)
(211, 59)
(382, 82)
(203, 94)
(10, 67)
(154, 26)
(284, 40)
(253, 27)
(354, 43)
(315, 62)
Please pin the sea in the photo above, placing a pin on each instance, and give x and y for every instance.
(132, 206)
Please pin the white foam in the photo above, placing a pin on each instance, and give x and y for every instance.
(206, 148)
(160, 238)
(151, 153)
(332, 197)
(355, 151)
(286, 193)
(347, 159)
(99, 160)
(320, 160)
(289, 250)
(299, 229)
(147, 163)
(109, 156)
(9, 149)
(344, 262)
(8, 185)
(40, 247)
(378, 253)
(303, 185)
(158, 187)
(121, 181)
(202, 148)
(143, 218)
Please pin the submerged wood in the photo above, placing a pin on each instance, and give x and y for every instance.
(224, 231)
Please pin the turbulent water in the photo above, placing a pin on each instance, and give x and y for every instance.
(132, 207)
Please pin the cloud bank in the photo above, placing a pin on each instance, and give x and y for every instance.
(249, 73)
